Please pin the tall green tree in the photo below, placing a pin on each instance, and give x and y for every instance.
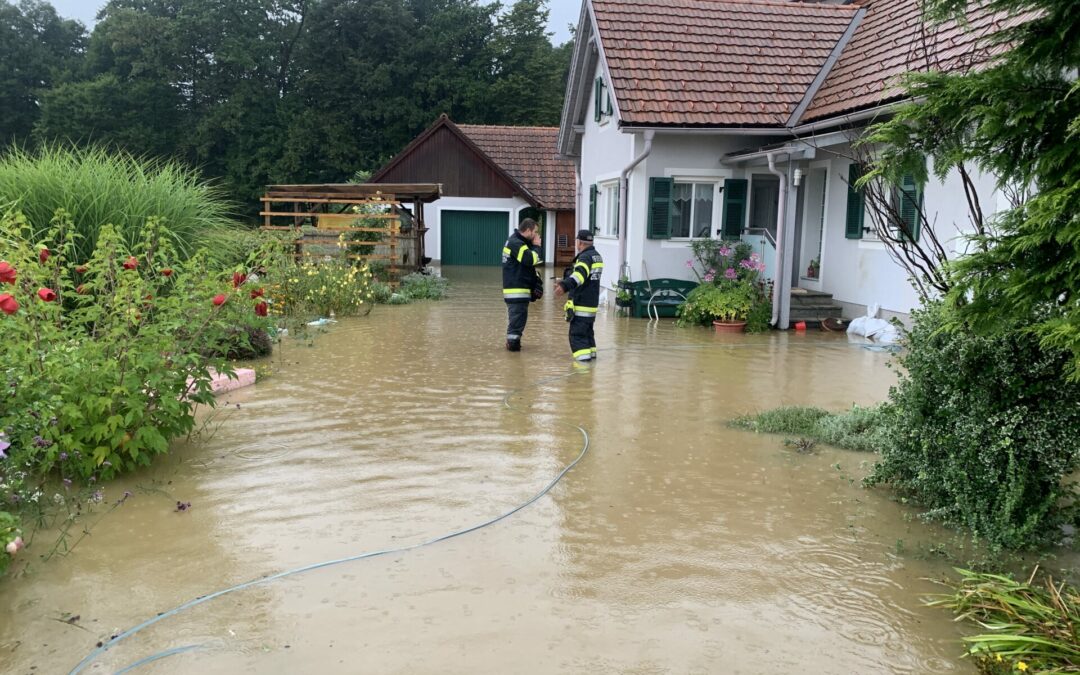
(1018, 119)
(38, 50)
(529, 80)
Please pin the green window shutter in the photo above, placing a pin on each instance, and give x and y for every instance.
(660, 208)
(734, 207)
(598, 99)
(910, 206)
(856, 204)
(592, 208)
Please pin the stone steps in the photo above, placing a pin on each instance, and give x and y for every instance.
(813, 307)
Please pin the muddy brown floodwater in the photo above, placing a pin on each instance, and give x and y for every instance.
(676, 546)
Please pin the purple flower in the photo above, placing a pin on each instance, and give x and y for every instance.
(710, 276)
(63, 456)
(97, 497)
(4, 445)
(724, 251)
(67, 483)
(40, 442)
(748, 264)
(730, 273)
(690, 264)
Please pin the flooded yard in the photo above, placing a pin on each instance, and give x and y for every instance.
(677, 545)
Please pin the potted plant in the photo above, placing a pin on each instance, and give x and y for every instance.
(624, 297)
(726, 305)
(812, 270)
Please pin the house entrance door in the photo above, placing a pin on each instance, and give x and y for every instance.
(565, 231)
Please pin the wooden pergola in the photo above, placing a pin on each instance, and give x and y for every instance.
(362, 221)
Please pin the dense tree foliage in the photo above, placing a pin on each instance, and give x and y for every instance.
(260, 91)
(1020, 121)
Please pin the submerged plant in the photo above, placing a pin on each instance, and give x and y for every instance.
(1031, 628)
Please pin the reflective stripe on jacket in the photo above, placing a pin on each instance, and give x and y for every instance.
(519, 262)
(583, 282)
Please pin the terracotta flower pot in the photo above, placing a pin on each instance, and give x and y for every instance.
(729, 326)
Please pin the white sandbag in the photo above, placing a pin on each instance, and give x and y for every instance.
(870, 326)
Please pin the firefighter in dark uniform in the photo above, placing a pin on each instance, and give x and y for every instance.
(522, 283)
(582, 283)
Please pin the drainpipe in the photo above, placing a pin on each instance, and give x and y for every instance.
(778, 282)
(624, 190)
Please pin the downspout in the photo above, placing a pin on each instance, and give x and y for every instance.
(781, 218)
(624, 190)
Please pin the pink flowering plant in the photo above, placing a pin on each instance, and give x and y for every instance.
(730, 287)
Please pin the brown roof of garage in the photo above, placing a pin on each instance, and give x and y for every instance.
(715, 62)
(528, 154)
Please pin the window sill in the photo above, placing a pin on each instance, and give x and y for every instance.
(607, 237)
(680, 242)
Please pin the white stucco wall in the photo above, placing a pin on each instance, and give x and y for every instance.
(605, 152)
(433, 220)
(861, 272)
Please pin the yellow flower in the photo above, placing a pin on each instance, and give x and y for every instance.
(1021, 666)
(999, 659)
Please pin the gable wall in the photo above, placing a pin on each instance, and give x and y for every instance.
(445, 158)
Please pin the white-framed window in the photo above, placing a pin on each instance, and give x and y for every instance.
(609, 209)
(693, 208)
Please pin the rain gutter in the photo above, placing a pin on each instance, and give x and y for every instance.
(781, 249)
(624, 202)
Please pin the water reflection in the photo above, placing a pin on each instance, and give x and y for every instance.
(678, 545)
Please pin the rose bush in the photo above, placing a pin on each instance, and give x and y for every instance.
(103, 359)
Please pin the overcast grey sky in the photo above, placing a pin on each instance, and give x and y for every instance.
(563, 13)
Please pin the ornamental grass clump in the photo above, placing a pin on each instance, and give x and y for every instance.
(1030, 628)
(96, 187)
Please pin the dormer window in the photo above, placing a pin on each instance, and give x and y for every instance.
(602, 108)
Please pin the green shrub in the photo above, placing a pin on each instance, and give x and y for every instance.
(857, 429)
(102, 360)
(381, 292)
(983, 431)
(97, 188)
(423, 287)
(327, 288)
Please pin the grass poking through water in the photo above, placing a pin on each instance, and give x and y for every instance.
(856, 429)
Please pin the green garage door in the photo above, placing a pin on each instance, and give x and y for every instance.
(473, 237)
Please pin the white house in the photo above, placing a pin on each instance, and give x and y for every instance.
(733, 118)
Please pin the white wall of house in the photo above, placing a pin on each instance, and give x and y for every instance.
(433, 219)
(605, 152)
(861, 272)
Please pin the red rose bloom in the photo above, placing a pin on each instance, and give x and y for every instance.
(8, 305)
(219, 300)
(238, 278)
(81, 269)
(7, 273)
(43, 255)
(261, 309)
(257, 293)
(131, 263)
(47, 294)
(167, 272)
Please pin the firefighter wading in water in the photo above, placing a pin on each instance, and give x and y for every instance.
(582, 283)
(521, 279)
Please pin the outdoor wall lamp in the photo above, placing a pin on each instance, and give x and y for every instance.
(798, 178)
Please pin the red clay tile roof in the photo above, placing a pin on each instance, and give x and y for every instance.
(528, 154)
(890, 41)
(715, 62)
